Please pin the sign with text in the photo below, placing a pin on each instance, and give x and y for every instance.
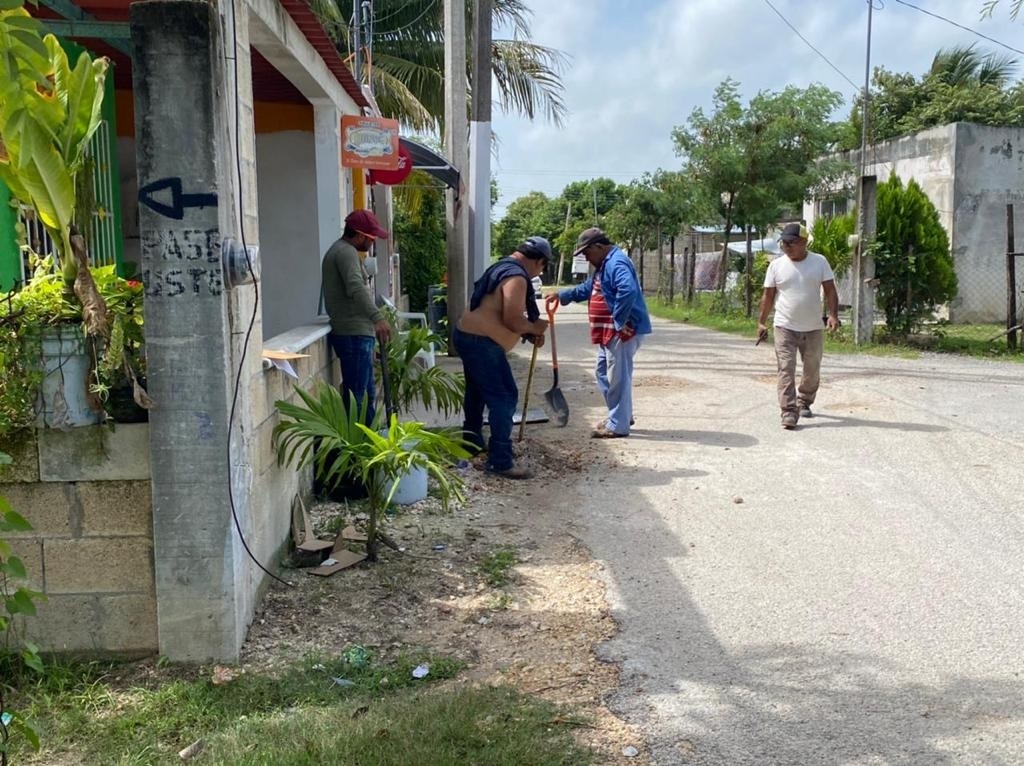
(369, 142)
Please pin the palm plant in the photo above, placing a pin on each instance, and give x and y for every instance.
(410, 381)
(405, 62)
(329, 434)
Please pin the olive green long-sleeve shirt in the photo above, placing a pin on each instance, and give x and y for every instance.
(346, 295)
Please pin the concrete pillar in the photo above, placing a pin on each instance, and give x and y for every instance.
(186, 192)
(864, 282)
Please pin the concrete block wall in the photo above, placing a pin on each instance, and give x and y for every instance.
(87, 494)
(274, 486)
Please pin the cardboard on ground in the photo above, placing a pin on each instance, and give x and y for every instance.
(337, 561)
(302, 529)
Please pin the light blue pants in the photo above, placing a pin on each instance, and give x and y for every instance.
(614, 374)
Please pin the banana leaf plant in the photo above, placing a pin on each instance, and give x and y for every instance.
(49, 110)
(329, 434)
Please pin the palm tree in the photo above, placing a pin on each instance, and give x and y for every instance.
(405, 61)
(964, 66)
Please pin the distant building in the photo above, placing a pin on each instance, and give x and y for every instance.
(970, 173)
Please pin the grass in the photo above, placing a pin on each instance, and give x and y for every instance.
(344, 709)
(496, 566)
(967, 340)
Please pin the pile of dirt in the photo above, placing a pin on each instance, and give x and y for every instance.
(537, 632)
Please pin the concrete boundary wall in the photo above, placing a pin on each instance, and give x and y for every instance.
(87, 494)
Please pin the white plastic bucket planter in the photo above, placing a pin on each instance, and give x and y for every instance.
(64, 393)
(412, 487)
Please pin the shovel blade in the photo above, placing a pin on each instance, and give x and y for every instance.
(558, 406)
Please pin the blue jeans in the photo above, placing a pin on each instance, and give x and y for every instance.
(614, 374)
(490, 383)
(355, 353)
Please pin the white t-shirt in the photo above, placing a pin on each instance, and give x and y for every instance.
(798, 290)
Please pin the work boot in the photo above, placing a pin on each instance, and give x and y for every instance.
(789, 420)
(805, 411)
(515, 472)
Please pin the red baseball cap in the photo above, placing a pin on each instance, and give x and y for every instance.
(366, 223)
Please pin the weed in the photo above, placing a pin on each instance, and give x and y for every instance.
(496, 566)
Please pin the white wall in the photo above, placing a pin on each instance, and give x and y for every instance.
(989, 174)
(970, 173)
(289, 252)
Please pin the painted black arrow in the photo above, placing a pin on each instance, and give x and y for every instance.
(179, 201)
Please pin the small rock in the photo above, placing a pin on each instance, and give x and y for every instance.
(630, 752)
(737, 499)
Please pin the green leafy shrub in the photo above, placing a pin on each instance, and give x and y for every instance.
(913, 263)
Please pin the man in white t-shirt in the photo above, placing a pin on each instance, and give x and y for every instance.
(793, 285)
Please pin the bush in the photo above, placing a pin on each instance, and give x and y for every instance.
(913, 263)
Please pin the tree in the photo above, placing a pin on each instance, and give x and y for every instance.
(405, 60)
(913, 263)
(534, 214)
(763, 159)
(962, 85)
(989, 6)
(419, 231)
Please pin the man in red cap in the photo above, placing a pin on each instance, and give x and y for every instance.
(355, 319)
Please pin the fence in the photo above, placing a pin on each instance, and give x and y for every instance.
(987, 313)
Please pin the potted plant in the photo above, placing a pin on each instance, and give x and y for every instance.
(49, 111)
(120, 375)
(330, 435)
(54, 369)
(411, 381)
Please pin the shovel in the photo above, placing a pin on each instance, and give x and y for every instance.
(526, 395)
(554, 397)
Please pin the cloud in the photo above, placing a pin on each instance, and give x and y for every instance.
(639, 67)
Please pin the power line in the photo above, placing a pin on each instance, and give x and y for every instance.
(808, 44)
(960, 26)
(412, 23)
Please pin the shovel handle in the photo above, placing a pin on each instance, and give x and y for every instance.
(526, 395)
(554, 347)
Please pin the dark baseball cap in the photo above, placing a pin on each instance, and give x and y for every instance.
(366, 223)
(793, 231)
(591, 236)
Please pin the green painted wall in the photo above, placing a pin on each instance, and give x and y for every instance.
(10, 268)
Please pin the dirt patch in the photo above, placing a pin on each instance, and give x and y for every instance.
(538, 632)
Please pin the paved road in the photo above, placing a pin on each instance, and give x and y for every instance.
(845, 593)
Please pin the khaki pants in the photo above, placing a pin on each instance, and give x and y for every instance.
(809, 345)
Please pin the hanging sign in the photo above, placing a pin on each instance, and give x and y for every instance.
(392, 177)
(369, 142)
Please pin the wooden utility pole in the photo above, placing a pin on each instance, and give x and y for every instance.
(455, 148)
(480, 143)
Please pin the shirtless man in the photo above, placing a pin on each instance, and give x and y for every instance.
(501, 311)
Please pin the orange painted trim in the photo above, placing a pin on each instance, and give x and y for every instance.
(277, 118)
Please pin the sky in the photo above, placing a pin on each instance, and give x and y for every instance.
(638, 68)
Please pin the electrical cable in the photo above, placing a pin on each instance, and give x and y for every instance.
(961, 26)
(412, 23)
(808, 44)
(255, 304)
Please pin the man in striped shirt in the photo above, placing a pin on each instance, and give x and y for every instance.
(618, 321)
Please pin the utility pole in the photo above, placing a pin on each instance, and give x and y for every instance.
(455, 148)
(863, 268)
(480, 143)
(357, 41)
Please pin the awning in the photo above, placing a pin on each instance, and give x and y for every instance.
(426, 159)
